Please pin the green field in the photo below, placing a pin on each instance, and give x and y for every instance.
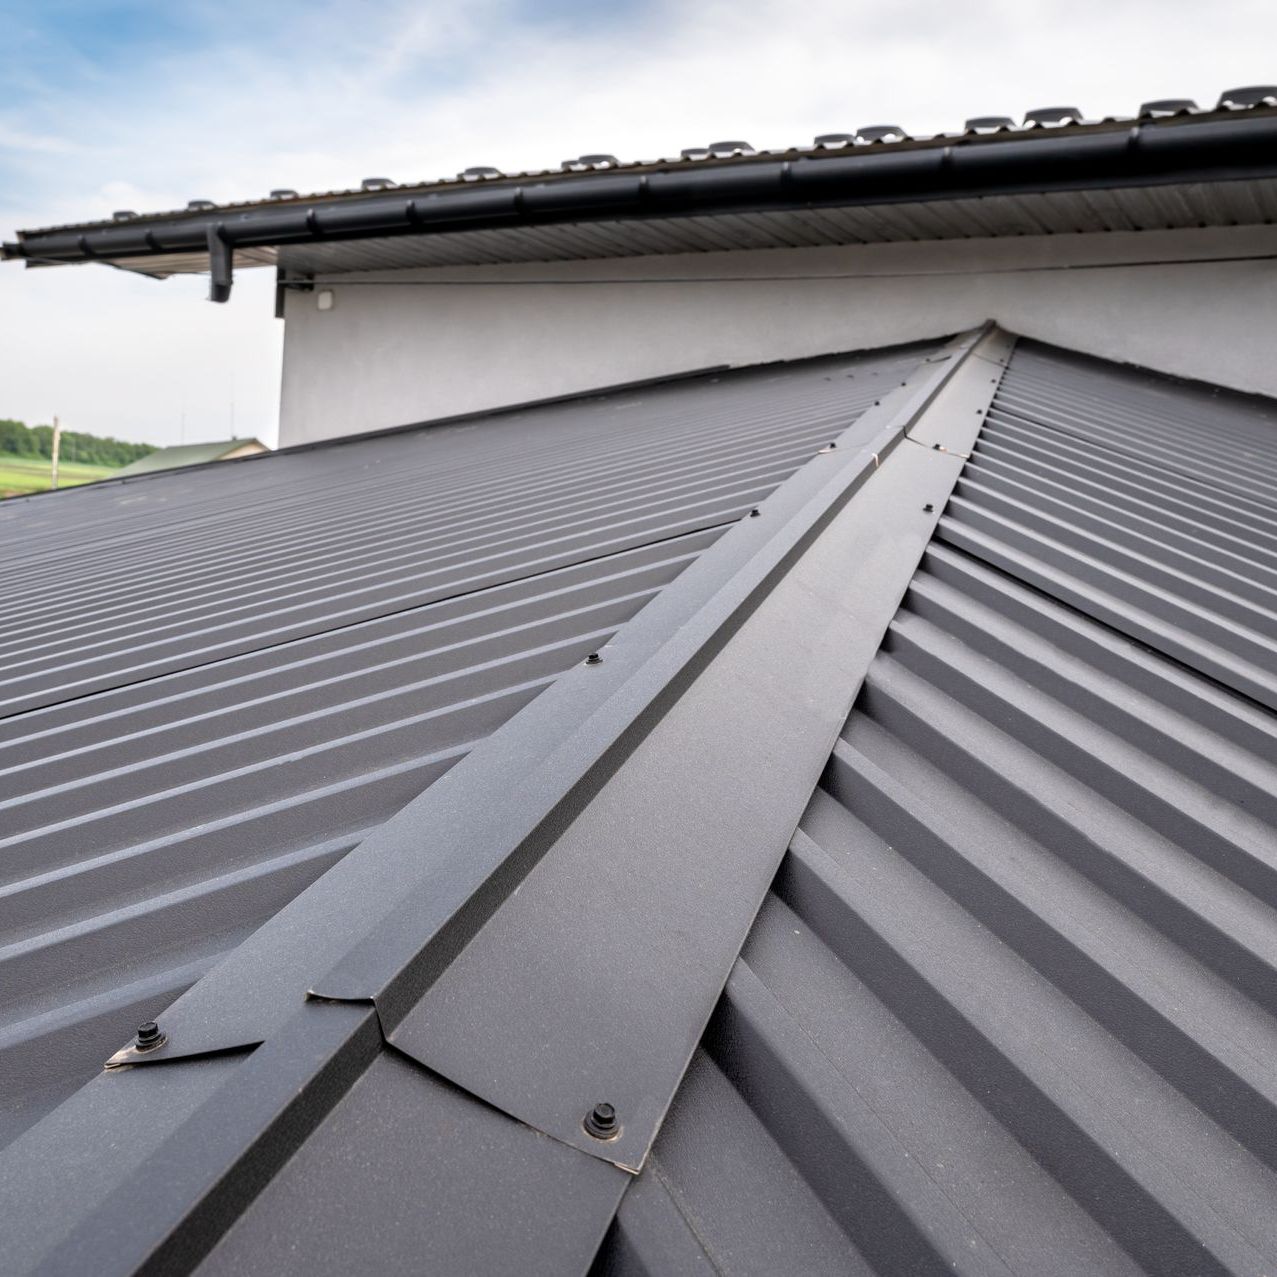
(20, 475)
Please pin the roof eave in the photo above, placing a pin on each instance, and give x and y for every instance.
(1141, 154)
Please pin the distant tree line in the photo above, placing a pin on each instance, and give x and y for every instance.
(37, 441)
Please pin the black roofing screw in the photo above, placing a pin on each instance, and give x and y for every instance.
(755, 512)
(601, 1122)
(936, 446)
(594, 659)
(928, 507)
(149, 1037)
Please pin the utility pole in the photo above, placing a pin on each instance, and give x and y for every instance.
(57, 444)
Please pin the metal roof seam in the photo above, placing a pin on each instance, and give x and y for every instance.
(429, 1030)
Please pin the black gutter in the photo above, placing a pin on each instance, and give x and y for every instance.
(1141, 155)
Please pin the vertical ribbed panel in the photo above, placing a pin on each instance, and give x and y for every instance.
(1149, 505)
(1011, 1005)
(218, 681)
(137, 579)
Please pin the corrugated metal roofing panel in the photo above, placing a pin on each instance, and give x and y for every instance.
(158, 811)
(1152, 505)
(280, 552)
(1010, 1006)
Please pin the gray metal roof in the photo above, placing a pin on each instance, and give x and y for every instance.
(295, 1019)
(1007, 1005)
(1149, 506)
(217, 681)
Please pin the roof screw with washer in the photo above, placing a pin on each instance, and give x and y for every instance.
(601, 1123)
(148, 1037)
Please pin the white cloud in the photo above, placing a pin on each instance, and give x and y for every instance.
(337, 92)
(17, 139)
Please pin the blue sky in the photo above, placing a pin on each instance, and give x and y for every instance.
(144, 106)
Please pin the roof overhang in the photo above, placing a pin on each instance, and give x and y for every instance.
(1185, 152)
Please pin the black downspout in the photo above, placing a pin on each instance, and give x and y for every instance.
(220, 264)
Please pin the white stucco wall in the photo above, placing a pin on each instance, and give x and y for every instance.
(390, 355)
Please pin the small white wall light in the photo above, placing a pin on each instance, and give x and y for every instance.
(324, 299)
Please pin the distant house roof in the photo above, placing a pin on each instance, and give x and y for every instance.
(191, 454)
(1172, 165)
(810, 818)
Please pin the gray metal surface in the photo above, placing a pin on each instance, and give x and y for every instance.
(345, 1157)
(1010, 1005)
(342, 1198)
(296, 546)
(595, 979)
(1149, 505)
(391, 600)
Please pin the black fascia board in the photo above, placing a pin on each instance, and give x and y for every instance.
(1143, 154)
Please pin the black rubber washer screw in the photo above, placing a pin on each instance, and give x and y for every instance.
(928, 507)
(594, 659)
(149, 1037)
(601, 1123)
(754, 513)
